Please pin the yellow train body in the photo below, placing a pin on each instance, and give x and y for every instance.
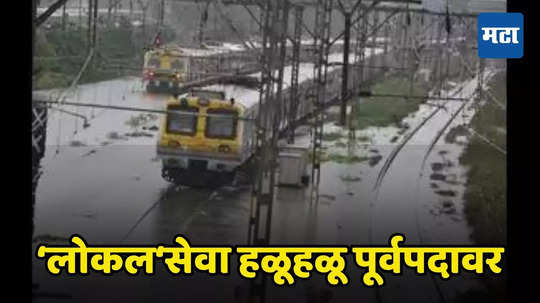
(198, 142)
(165, 68)
(203, 138)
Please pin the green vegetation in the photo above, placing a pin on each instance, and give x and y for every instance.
(384, 111)
(486, 189)
(345, 159)
(61, 54)
(485, 194)
(332, 136)
(340, 144)
(363, 138)
(349, 178)
(338, 158)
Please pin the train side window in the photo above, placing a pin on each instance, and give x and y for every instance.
(183, 121)
(222, 125)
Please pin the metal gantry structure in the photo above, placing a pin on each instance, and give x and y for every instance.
(282, 109)
(323, 25)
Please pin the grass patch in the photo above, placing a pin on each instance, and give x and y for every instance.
(486, 186)
(349, 178)
(453, 133)
(331, 136)
(340, 144)
(363, 138)
(338, 158)
(385, 111)
(485, 193)
(346, 159)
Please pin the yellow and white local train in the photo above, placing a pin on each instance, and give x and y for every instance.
(207, 135)
(164, 69)
(204, 138)
(168, 67)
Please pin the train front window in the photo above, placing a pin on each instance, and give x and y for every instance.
(182, 121)
(221, 123)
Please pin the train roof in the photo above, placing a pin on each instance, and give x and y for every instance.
(249, 97)
(243, 96)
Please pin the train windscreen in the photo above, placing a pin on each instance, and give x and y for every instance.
(182, 121)
(221, 123)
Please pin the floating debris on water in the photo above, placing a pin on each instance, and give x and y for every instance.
(87, 214)
(139, 134)
(375, 160)
(446, 193)
(449, 210)
(329, 197)
(437, 166)
(115, 136)
(448, 204)
(452, 179)
(93, 151)
(76, 143)
(437, 177)
(350, 178)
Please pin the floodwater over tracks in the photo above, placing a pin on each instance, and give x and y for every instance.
(104, 183)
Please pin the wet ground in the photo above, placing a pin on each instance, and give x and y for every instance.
(104, 183)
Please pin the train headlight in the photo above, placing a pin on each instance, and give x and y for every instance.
(224, 149)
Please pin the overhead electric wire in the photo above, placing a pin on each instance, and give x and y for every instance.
(137, 109)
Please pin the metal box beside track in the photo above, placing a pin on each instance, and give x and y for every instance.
(292, 166)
